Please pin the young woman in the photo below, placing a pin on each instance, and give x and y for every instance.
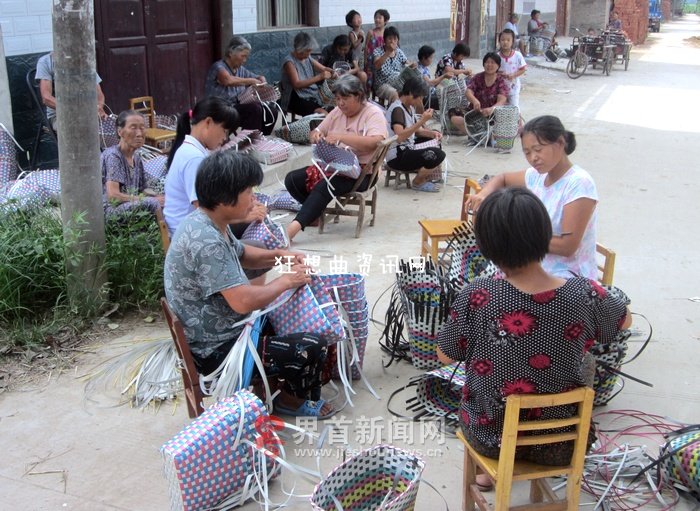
(339, 51)
(512, 67)
(356, 36)
(300, 78)
(375, 39)
(401, 116)
(526, 333)
(567, 191)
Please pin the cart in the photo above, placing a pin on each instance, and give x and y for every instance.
(596, 50)
(623, 46)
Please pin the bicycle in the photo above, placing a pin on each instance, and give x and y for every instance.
(587, 49)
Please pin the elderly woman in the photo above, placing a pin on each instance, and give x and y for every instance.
(486, 90)
(300, 78)
(389, 60)
(207, 288)
(355, 123)
(123, 177)
(228, 78)
(526, 333)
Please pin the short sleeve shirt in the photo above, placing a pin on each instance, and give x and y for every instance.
(488, 95)
(512, 342)
(513, 27)
(397, 114)
(330, 57)
(201, 263)
(44, 71)
(575, 184)
(445, 62)
(212, 86)
(116, 168)
(510, 65)
(179, 183)
(391, 67)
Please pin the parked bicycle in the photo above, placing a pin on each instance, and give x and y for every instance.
(586, 49)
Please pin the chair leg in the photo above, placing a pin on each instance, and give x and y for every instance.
(360, 218)
(469, 478)
(573, 490)
(321, 223)
(535, 492)
(373, 209)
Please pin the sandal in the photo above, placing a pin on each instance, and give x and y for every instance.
(307, 409)
(426, 187)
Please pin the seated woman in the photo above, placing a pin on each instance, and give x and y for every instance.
(513, 26)
(228, 78)
(541, 37)
(453, 63)
(425, 60)
(389, 60)
(123, 177)
(526, 333)
(300, 78)
(485, 91)
(354, 123)
(207, 289)
(567, 191)
(401, 116)
(339, 52)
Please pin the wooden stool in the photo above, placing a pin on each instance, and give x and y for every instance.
(398, 176)
(160, 138)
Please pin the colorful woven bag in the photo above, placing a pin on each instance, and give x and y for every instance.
(333, 160)
(298, 132)
(506, 126)
(259, 93)
(383, 478)
(214, 457)
(466, 260)
(308, 308)
(270, 150)
(680, 459)
(439, 392)
(283, 200)
(269, 233)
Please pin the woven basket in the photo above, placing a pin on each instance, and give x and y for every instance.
(681, 459)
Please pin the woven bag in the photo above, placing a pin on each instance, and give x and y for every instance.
(609, 359)
(212, 458)
(298, 132)
(308, 308)
(8, 156)
(241, 141)
(108, 131)
(155, 169)
(259, 93)
(406, 74)
(271, 234)
(680, 459)
(433, 142)
(8, 170)
(325, 93)
(505, 127)
(283, 200)
(440, 391)
(166, 122)
(467, 262)
(478, 127)
(270, 150)
(383, 478)
(453, 94)
(332, 160)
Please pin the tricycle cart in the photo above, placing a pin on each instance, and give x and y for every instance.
(594, 49)
(623, 46)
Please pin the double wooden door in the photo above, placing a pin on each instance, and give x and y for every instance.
(159, 48)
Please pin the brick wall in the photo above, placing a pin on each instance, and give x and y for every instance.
(26, 26)
(635, 18)
(666, 9)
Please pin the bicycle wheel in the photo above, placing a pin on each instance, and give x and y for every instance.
(577, 65)
(608, 62)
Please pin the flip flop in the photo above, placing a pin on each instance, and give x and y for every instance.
(426, 187)
(307, 409)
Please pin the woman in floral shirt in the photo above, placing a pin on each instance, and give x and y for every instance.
(526, 333)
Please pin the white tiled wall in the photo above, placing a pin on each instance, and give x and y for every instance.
(245, 16)
(26, 26)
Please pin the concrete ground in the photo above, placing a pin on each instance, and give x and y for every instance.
(637, 134)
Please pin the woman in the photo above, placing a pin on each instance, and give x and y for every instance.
(375, 39)
(526, 333)
(200, 130)
(389, 60)
(425, 60)
(228, 78)
(207, 288)
(354, 123)
(401, 117)
(453, 63)
(300, 78)
(512, 67)
(123, 177)
(486, 90)
(339, 51)
(567, 191)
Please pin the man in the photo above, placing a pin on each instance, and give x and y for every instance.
(615, 21)
(513, 25)
(45, 74)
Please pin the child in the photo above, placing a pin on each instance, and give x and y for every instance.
(512, 65)
(339, 51)
(425, 60)
(453, 62)
(375, 39)
(357, 36)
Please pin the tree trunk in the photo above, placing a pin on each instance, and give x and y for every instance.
(79, 152)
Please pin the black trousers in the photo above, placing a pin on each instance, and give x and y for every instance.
(255, 116)
(414, 159)
(313, 204)
(302, 106)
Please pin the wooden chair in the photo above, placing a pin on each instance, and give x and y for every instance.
(506, 470)
(433, 232)
(190, 376)
(355, 202)
(156, 137)
(163, 228)
(607, 268)
(397, 176)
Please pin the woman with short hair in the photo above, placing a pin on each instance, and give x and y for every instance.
(339, 51)
(301, 75)
(453, 62)
(389, 60)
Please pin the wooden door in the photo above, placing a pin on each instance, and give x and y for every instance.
(503, 10)
(562, 16)
(159, 48)
(461, 22)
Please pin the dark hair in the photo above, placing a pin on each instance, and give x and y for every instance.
(349, 16)
(391, 32)
(513, 228)
(461, 49)
(219, 109)
(124, 115)
(493, 56)
(415, 87)
(534, 13)
(340, 41)
(384, 13)
(548, 129)
(509, 32)
(425, 51)
(223, 176)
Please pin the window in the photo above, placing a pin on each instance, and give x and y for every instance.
(280, 13)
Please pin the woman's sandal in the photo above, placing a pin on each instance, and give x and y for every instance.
(307, 409)
(426, 187)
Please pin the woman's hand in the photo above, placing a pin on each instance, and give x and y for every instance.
(300, 275)
(476, 105)
(161, 200)
(437, 135)
(472, 203)
(486, 112)
(325, 75)
(257, 214)
(315, 136)
(426, 115)
(334, 137)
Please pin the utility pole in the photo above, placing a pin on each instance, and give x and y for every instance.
(78, 150)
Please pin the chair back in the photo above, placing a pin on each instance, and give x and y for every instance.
(144, 106)
(374, 165)
(190, 376)
(163, 228)
(607, 267)
(471, 187)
